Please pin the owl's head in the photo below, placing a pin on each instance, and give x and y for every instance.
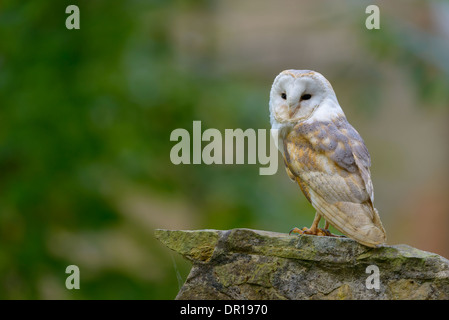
(302, 95)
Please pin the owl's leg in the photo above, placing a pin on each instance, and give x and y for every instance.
(314, 230)
(314, 227)
(328, 233)
(326, 229)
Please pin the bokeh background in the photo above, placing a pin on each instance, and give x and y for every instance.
(86, 117)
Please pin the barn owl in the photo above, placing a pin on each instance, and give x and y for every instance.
(325, 155)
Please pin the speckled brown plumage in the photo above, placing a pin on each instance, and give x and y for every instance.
(327, 157)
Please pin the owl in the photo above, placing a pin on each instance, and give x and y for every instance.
(325, 156)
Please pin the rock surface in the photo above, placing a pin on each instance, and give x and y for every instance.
(253, 264)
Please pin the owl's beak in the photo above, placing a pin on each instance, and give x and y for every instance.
(292, 109)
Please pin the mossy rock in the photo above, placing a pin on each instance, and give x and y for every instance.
(254, 264)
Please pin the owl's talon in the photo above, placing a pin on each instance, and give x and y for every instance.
(309, 231)
(330, 234)
(296, 230)
(317, 232)
(304, 230)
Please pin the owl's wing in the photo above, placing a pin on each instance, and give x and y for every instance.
(331, 164)
(289, 173)
(360, 153)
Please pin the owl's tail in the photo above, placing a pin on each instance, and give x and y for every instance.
(358, 221)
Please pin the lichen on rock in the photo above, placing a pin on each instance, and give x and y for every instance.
(254, 264)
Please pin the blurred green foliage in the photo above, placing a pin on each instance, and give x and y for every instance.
(87, 114)
(85, 111)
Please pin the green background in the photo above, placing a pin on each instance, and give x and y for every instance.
(86, 117)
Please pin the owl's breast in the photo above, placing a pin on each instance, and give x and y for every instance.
(324, 162)
(307, 147)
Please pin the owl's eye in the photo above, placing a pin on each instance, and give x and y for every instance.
(284, 96)
(306, 96)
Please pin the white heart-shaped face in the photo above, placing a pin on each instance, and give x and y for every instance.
(299, 95)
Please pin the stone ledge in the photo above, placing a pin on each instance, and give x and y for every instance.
(255, 264)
